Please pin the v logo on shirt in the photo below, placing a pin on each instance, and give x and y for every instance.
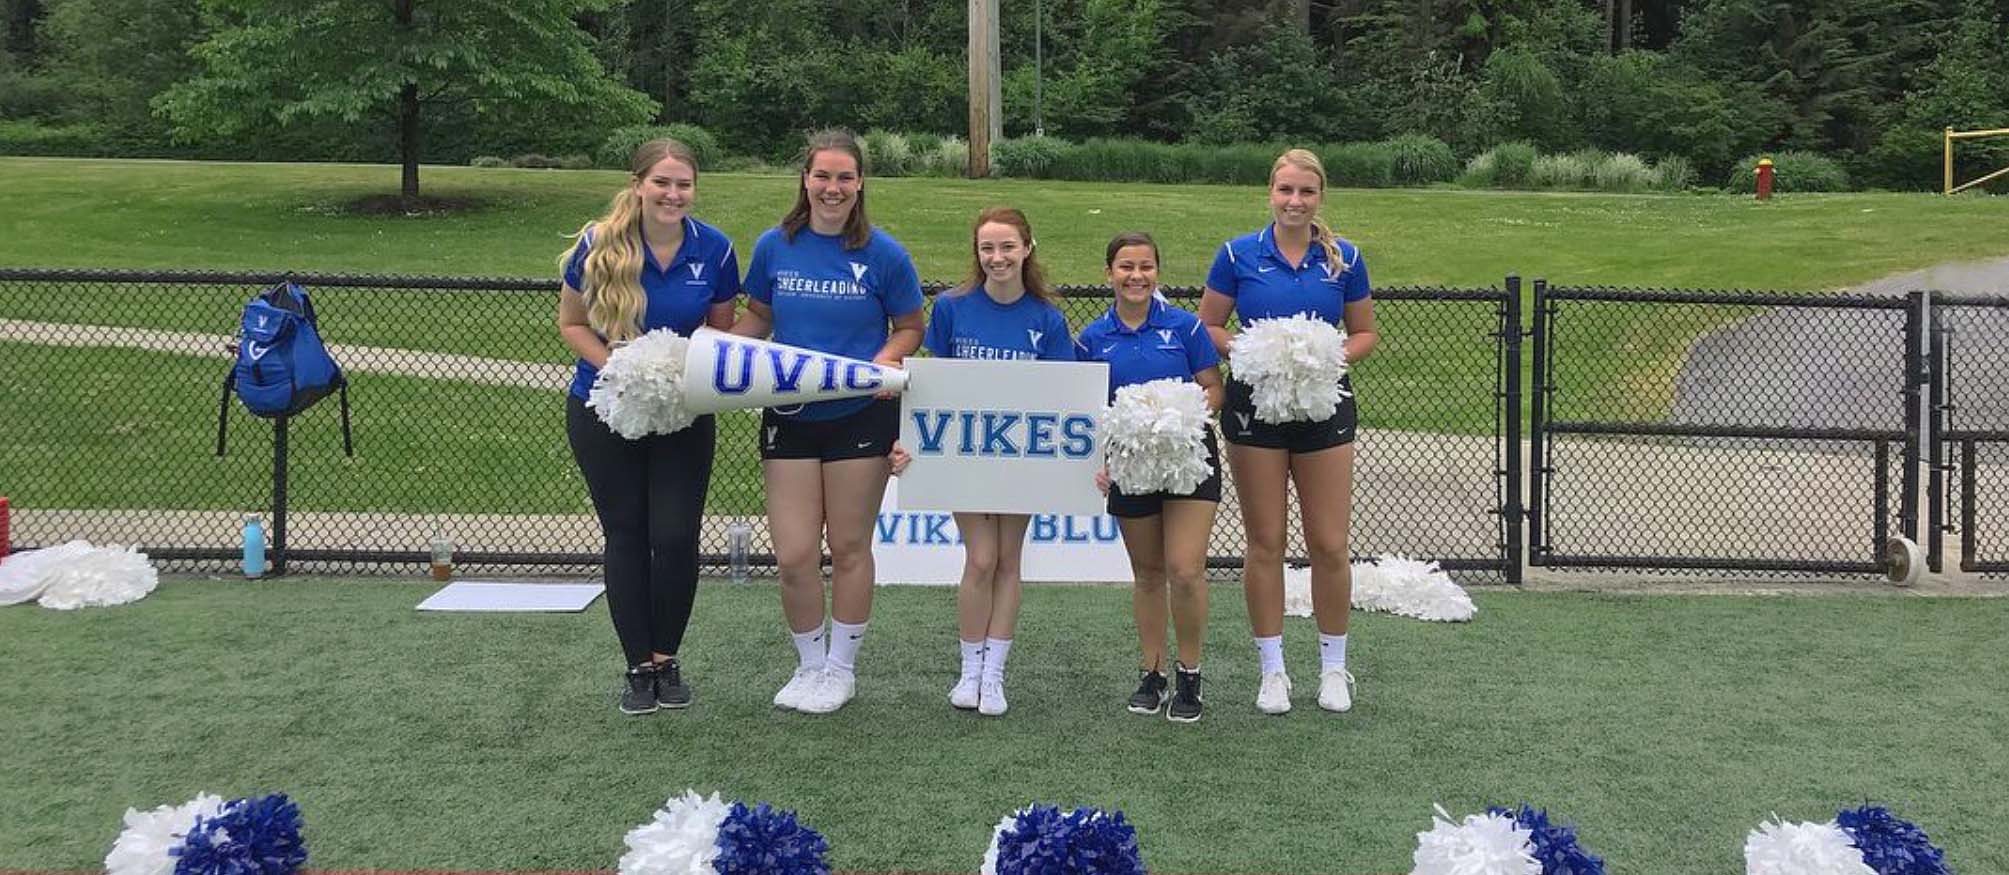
(697, 270)
(1165, 334)
(857, 271)
(1035, 335)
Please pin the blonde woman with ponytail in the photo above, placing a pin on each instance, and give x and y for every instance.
(1295, 265)
(645, 265)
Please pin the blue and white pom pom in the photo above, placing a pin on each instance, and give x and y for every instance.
(1501, 842)
(1861, 841)
(1041, 840)
(207, 836)
(701, 835)
(1293, 365)
(640, 391)
(1155, 436)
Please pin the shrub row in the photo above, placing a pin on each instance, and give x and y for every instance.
(1409, 160)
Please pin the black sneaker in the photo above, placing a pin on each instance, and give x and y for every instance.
(1186, 701)
(1150, 695)
(671, 691)
(640, 695)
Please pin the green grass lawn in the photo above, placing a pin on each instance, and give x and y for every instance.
(1432, 371)
(1666, 727)
(135, 214)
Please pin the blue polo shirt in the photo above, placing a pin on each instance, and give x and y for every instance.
(1170, 344)
(1265, 285)
(705, 271)
(970, 324)
(831, 299)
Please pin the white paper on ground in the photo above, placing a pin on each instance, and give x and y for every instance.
(476, 595)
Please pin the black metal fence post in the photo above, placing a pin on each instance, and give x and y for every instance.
(1538, 402)
(1513, 510)
(279, 428)
(1936, 425)
(1915, 349)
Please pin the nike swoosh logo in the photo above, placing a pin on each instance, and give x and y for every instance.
(1264, 269)
(1106, 349)
(864, 444)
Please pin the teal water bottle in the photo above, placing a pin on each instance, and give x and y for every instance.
(254, 546)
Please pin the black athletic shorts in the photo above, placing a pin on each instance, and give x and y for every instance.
(1242, 428)
(1152, 504)
(869, 432)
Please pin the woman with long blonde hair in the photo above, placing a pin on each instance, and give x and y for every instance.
(1295, 265)
(645, 265)
(825, 279)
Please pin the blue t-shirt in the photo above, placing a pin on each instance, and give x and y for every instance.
(1265, 285)
(970, 324)
(831, 299)
(705, 271)
(1170, 344)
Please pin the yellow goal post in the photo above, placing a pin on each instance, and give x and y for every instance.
(1952, 135)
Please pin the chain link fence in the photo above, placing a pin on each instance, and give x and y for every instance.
(1722, 430)
(1969, 387)
(112, 381)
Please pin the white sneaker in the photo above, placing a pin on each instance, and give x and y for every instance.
(1275, 695)
(964, 695)
(831, 690)
(991, 700)
(799, 684)
(1335, 689)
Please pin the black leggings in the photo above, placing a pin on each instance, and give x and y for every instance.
(650, 497)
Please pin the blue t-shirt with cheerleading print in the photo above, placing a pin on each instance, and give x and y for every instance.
(831, 299)
(970, 324)
(1265, 285)
(1171, 344)
(705, 271)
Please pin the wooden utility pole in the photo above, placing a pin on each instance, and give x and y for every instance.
(986, 87)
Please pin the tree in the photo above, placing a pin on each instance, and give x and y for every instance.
(284, 61)
(116, 71)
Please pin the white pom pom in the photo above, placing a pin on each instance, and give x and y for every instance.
(142, 847)
(990, 866)
(1293, 365)
(24, 575)
(682, 839)
(641, 389)
(1485, 844)
(1776, 848)
(99, 576)
(1403, 586)
(1155, 437)
(1297, 590)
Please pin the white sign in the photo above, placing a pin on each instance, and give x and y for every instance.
(925, 548)
(1002, 436)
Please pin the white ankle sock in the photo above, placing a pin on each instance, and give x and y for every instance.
(1272, 651)
(844, 641)
(973, 659)
(996, 650)
(809, 649)
(1331, 651)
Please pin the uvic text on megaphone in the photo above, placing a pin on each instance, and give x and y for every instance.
(728, 372)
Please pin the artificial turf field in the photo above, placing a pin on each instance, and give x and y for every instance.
(1664, 726)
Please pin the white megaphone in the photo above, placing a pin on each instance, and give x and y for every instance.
(728, 372)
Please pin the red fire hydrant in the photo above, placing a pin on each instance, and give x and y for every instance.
(1764, 179)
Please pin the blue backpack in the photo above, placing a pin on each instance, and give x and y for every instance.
(282, 366)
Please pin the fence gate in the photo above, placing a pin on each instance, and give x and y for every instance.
(1722, 430)
(1969, 386)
